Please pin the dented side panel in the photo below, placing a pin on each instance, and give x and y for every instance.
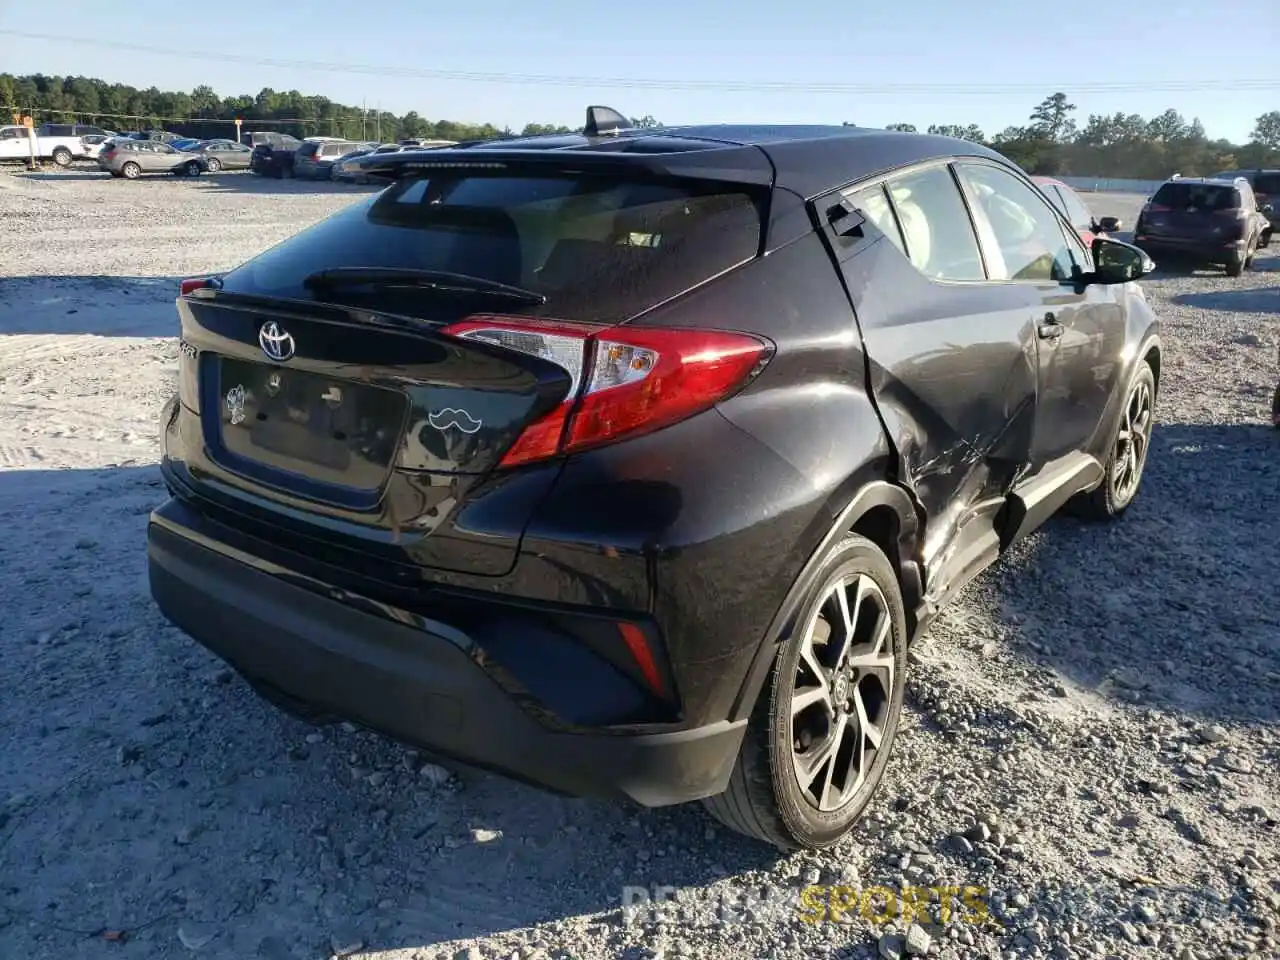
(953, 370)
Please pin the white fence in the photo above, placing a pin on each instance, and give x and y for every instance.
(1112, 185)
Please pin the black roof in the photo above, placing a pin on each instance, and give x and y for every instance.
(806, 159)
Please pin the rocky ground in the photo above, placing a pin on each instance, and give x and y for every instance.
(1092, 734)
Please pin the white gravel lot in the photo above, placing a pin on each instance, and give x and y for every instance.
(1099, 715)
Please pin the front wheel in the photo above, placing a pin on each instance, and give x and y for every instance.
(62, 156)
(818, 741)
(1127, 458)
(191, 168)
(1275, 408)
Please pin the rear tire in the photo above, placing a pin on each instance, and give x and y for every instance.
(191, 168)
(62, 156)
(1235, 265)
(1127, 459)
(819, 738)
(1275, 408)
(130, 171)
(214, 164)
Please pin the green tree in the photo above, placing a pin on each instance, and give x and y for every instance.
(1051, 120)
(902, 127)
(971, 131)
(1266, 131)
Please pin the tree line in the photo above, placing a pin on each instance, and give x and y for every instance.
(1050, 143)
(1124, 145)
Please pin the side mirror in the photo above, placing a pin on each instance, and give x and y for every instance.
(1109, 225)
(1268, 208)
(1117, 262)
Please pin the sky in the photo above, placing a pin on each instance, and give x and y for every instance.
(987, 62)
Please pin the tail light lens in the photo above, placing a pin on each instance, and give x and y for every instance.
(624, 381)
(1158, 208)
(192, 284)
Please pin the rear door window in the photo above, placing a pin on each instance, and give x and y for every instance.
(874, 204)
(599, 248)
(936, 227)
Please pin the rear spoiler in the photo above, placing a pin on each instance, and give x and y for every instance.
(730, 163)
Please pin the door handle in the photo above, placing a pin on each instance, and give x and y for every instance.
(1050, 328)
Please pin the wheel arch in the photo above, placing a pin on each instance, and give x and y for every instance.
(885, 514)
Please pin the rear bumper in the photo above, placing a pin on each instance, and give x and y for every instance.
(1213, 251)
(414, 679)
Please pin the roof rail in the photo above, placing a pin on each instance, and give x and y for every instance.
(605, 120)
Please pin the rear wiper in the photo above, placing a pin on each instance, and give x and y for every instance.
(442, 280)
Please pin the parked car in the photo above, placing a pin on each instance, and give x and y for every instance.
(345, 170)
(18, 143)
(92, 145)
(132, 158)
(421, 143)
(314, 160)
(1266, 190)
(186, 143)
(271, 138)
(223, 155)
(274, 157)
(633, 472)
(1207, 220)
(1076, 210)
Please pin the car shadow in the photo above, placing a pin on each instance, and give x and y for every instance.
(135, 755)
(1256, 300)
(107, 306)
(1175, 605)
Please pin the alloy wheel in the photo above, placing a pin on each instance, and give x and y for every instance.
(1132, 443)
(841, 701)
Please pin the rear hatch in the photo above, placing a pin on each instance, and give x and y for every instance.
(359, 375)
(1192, 211)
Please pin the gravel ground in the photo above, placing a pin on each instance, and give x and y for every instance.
(1092, 732)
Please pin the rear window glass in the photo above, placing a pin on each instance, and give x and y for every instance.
(599, 248)
(1197, 196)
(308, 149)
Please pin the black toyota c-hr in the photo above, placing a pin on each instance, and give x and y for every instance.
(629, 462)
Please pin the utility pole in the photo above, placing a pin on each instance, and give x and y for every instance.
(364, 110)
(378, 124)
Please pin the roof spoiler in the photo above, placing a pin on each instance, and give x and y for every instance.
(605, 120)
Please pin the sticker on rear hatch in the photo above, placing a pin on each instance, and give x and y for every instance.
(235, 404)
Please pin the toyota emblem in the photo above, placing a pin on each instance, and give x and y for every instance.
(276, 343)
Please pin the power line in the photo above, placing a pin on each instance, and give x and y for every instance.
(649, 83)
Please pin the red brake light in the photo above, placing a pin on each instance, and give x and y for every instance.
(191, 285)
(1158, 208)
(625, 380)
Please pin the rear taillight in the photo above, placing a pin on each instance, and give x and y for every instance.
(1158, 208)
(624, 381)
(191, 285)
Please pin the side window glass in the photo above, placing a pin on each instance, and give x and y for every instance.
(874, 204)
(1030, 239)
(939, 235)
(1077, 213)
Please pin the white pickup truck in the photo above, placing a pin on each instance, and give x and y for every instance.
(16, 145)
